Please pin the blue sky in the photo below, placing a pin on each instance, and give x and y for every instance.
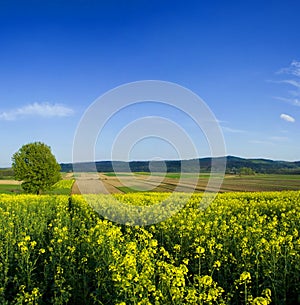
(241, 57)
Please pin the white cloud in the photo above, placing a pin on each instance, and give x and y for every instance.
(287, 118)
(46, 110)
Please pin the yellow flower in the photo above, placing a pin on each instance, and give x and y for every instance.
(206, 280)
(177, 248)
(33, 244)
(217, 264)
(200, 250)
(245, 276)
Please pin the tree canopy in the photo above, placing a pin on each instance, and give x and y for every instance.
(36, 166)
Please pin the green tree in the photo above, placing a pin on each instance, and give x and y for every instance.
(247, 171)
(36, 166)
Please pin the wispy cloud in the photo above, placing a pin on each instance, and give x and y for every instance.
(293, 69)
(221, 121)
(46, 110)
(261, 142)
(279, 139)
(232, 130)
(292, 101)
(291, 82)
(273, 140)
(293, 97)
(287, 118)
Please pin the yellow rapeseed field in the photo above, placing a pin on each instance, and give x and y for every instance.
(244, 248)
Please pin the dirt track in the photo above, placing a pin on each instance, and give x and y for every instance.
(12, 182)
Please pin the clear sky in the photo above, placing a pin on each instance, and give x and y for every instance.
(241, 57)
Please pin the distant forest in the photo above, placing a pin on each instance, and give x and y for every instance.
(233, 166)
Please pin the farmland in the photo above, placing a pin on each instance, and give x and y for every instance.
(117, 183)
(185, 182)
(242, 249)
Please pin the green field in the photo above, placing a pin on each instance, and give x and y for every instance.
(113, 174)
(126, 189)
(10, 189)
(62, 187)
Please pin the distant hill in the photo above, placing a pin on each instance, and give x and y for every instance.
(233, 165)
(263, 165)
